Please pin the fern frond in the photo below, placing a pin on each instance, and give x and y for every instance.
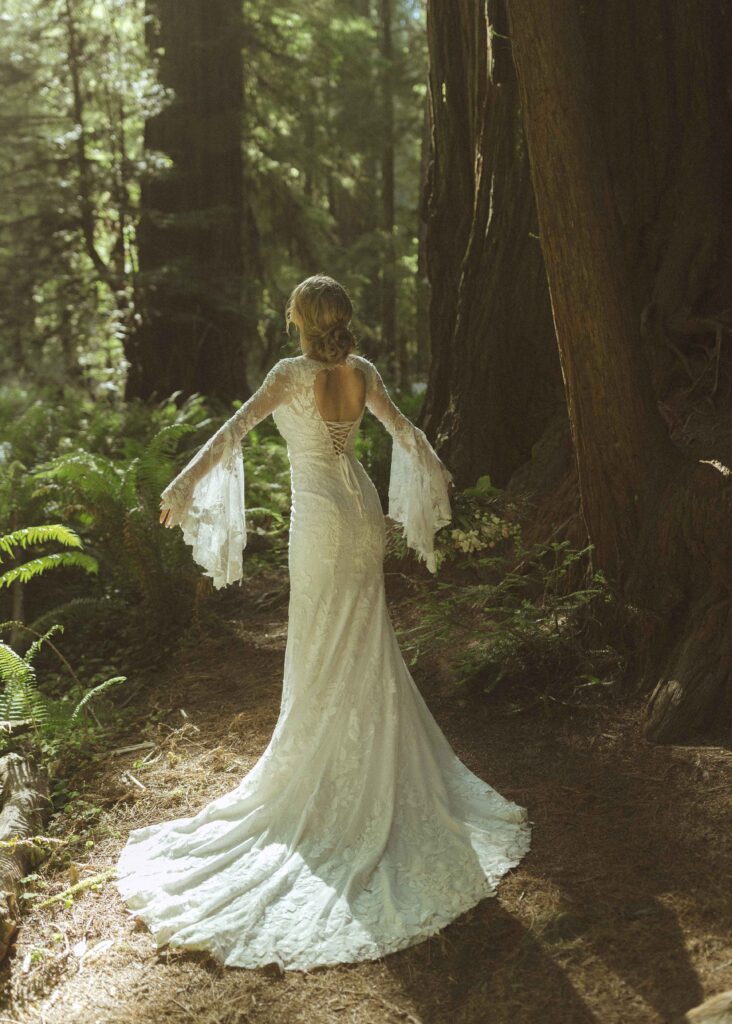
(93, 475)
(39, 535)
(12, 666)
(96, 691)
(22, 701)
(37, 644)
(37, 566)
(76, 608)
(11, 624)
(155, 463)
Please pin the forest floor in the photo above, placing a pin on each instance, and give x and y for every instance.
(619, 914)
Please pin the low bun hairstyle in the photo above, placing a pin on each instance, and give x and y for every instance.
(325, 312)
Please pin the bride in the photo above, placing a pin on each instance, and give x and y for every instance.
(359, 831)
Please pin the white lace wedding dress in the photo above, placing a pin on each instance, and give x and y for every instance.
(359, 831)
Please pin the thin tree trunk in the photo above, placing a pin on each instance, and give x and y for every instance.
(390, 338)
(423, 284)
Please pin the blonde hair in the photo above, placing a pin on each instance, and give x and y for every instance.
(325, 310)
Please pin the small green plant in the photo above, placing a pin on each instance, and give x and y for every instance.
(22, 704)
(508, 613)
(116, 503)
(49, 721)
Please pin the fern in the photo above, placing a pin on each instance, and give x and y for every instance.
(39, 535)
(154, 465)
(147, 565)
(37, 566)
(21, 700)
(83, 608)
(37, 644)
(96, 691)
(12, 665)
(97, 476)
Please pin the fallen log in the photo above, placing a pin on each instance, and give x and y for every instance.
(26, 808)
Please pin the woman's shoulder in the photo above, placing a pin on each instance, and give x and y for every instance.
(284, 369)
(365, 364)
(295, 363)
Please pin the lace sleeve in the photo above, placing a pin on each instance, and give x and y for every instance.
(206, 499)
(418, 482)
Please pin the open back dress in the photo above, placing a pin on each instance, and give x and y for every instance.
(359, 831)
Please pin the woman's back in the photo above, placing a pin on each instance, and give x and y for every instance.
(340, 392)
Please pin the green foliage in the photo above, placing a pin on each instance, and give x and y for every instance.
(37, 566)
(38, 535)
(116, 502)
(43, 563)
(314, 147)
(73, 159)
(96, 691)
(55, 723)
(509, 614)
(70, 162)
(268, 489)
(21, 700)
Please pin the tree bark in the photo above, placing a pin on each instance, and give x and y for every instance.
(26, 808)
(390, 337)
(495, 379)
(196, 300)
(423, 285)
(658, 520)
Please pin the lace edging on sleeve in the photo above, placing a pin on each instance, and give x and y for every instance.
(207, 497)
(418, 480)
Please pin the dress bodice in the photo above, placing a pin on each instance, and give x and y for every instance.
(299, 420)
(207, 497)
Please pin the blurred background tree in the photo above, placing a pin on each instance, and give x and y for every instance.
(171, 170)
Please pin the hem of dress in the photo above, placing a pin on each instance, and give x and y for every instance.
(374, 951)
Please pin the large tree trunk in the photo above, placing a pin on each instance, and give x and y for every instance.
(495, 378)
(197, 304)
(659, 521)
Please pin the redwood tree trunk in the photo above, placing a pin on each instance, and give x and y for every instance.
(658, 520)
(495, 378)
(196, 324)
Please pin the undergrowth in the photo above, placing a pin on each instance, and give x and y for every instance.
(506, 615)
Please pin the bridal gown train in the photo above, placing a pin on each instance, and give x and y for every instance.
(359, 831)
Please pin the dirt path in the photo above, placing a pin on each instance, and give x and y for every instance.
(620, 913)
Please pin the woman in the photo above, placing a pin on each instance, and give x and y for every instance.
(359, 831)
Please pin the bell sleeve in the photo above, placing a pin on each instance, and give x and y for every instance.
(418, 480)
(207, 498)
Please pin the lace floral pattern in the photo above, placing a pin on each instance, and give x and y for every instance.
(418, 496)
(359, 831)
(207, 497)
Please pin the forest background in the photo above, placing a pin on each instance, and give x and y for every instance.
(530, 211)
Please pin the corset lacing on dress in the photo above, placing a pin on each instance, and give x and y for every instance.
(340, 431)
